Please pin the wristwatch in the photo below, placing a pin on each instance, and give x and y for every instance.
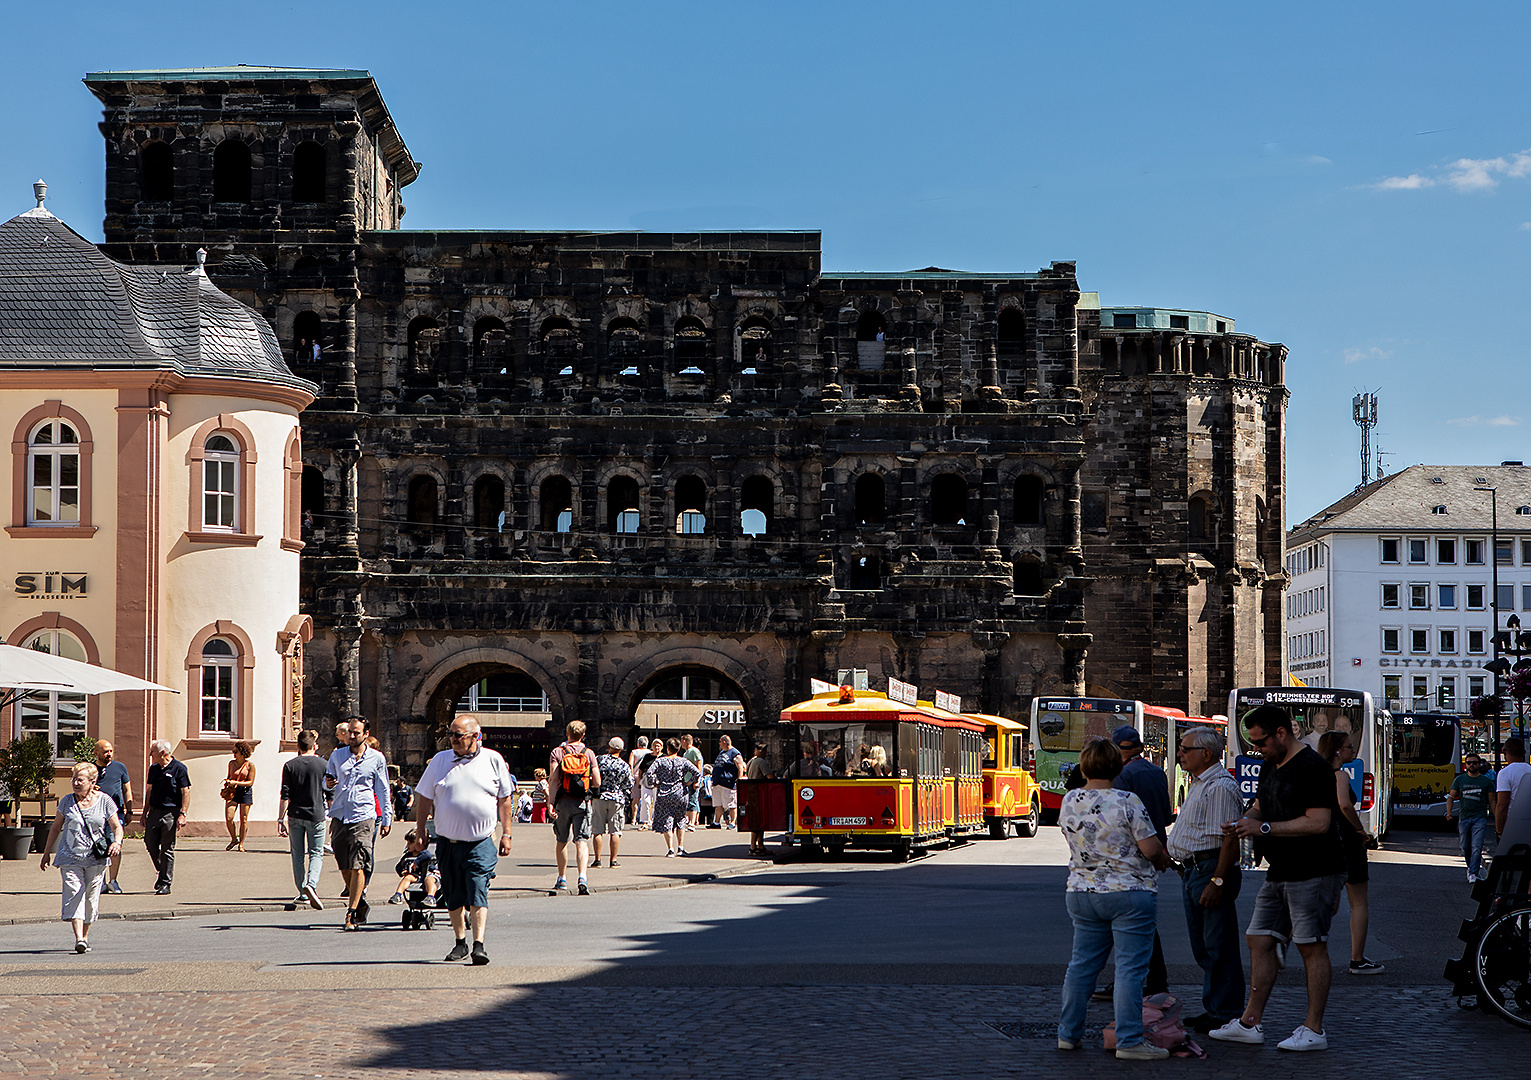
(1218, 882)
(1265, 828)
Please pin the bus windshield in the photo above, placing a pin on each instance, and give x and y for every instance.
(1066, 724)
(1312, 713)
(1424, 740)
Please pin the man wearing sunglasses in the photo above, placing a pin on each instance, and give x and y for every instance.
(1292, 820)
(467, 789)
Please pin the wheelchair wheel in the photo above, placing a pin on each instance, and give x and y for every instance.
(1502, 967)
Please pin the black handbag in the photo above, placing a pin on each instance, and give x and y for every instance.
(100, 847)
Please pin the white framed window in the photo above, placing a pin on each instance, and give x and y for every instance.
(1390, 549)
(1419, 640)
(53, 474)
(220, 483)
(1505, 600)
(1391, 688)
(58, 716)
(1504, 553)
(1447, 640)
(1446, 597)
(1476, 641)
(1391, 594)
(1445, 552)
(1446, 693)
(1475, 598)
(1390, 636)
(1473, 550)
(1419, 551)
(1419, 595)
(1421, 692)
(1475, 684)
(220, 658)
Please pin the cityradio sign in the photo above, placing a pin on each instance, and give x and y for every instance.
(51, 585)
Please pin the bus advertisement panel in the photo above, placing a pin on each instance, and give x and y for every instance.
(1061, 726)
(1426, 750)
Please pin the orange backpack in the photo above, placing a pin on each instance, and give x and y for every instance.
(574, 774)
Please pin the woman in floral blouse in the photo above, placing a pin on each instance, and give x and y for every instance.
(1112, 898)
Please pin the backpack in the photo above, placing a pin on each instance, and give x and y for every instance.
(574, 774)
(1161, 1027)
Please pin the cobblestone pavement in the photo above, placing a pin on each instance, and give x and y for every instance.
(659, 1032)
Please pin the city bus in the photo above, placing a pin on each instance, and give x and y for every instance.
(1061, 726)
(1316, 710)
(1427, 751)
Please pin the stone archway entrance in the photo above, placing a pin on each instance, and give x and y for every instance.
(691, 699)
(510, 705)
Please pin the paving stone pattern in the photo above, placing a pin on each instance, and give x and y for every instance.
(677, 1031)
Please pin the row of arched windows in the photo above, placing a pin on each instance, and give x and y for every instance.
(232, 172)
(948, 503)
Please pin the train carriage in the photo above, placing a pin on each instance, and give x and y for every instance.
(879, 774)
(1011, 797)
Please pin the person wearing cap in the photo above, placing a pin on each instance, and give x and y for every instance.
(1147, 781)
(608, 811)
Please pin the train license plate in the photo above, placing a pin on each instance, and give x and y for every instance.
(847, 821)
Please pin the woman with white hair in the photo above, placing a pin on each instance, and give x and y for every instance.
(86, 835)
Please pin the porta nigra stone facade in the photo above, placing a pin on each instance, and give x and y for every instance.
(602, 461)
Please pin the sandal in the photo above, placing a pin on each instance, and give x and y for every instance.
(232, 843)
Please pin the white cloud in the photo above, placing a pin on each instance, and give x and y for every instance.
(1485, 421)
(1465, 174)
(1355, 354)
(1316, 159)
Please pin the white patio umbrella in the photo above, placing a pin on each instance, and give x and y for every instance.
(25, 670)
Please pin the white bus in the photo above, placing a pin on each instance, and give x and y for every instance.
(1315, 710)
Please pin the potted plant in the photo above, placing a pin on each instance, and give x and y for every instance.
(26, 772)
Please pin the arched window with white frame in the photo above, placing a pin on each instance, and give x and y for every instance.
(54, 714)
(53, 474)
(220, 483)
(218, 687)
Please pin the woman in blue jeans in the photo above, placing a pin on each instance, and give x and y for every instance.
(1112, 898)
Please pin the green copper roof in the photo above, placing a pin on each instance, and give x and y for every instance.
(224, 74)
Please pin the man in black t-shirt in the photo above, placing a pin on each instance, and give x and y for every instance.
(1293, 823)
(300, 816)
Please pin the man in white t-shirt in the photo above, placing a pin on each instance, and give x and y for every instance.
(466, 788)
(1511, 780)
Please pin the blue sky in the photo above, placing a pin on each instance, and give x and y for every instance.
(1350, 180)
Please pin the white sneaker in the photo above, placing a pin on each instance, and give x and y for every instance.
(1237, 1031)
(1471, 876)
(1142, 1052)
(1304, 1038)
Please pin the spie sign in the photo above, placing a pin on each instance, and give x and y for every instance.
(51, 585)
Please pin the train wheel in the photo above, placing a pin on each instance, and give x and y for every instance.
(999, 828)
(1502, 966)
(836, 851)
(901, 851)
(1027, 826)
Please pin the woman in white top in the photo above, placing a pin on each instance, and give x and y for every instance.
(1112, 898)
(84, 816)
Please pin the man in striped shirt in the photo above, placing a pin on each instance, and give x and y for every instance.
(1210, 875)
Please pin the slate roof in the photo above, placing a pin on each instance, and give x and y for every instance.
(1405, 502)
(63, 304)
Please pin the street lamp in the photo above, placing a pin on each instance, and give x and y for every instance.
(1499, 665)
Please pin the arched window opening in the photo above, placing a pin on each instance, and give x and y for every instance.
(53, 474)
(424, 342)
(949, 500)
(1028, 578)
(690, 347)
(57, 716)
(307, 338)
(219, 658)
(557, 505)
(871, 500)
(622, 505)
(491, 346)
(156, 172)
(757, 499)
(489, 503)
(1200, 519)
(220, 483)
(421, 507)
(871, 326)
(559, 344)
(308, 169)
(754, 346)
(504, 691)
(1010, 333)
(1028, 500)
(311, 501)
(866, 572)
(624, 346)
(690, 506)
(231, 172)
(308, 268)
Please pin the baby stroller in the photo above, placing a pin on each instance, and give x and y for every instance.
(420, 912)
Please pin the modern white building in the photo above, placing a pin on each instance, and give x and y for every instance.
(1392, 587)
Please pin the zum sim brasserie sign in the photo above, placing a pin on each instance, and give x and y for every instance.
(51, 585)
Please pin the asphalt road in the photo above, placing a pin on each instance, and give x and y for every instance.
(988, 911)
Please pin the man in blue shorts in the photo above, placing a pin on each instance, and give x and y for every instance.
(466, 788)
(1293, 824)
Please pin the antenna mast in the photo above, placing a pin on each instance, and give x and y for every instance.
(1365, 411)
